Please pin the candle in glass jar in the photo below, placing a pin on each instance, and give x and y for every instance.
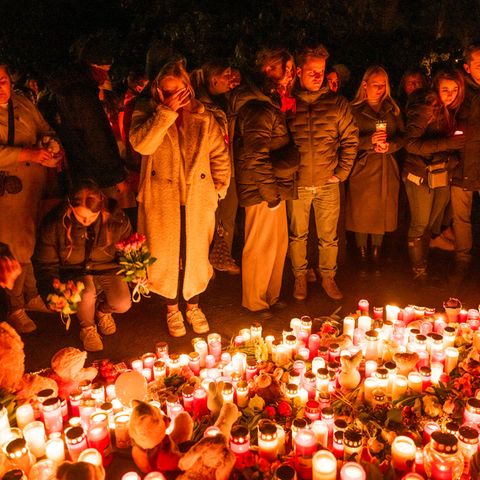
(122, 437)
(320, 428)
(471, 413)
(267, 440)
(92, 456)
(415, 381)
(451, 359)
(352, 471)
(34, 434)
(428, 429)
(280, 440)
(137, 365)
(239, 440)
(391, 313)
(131, 476)
(76, 441)
(52, 415)
(242, 394)
(370, 367)
(99, 438)
(305, 442)
(349, 326)
(369, 385)
(201, 348)
(364, 323)
(24, 414)
(154, 476)
(55, 450)
(403, 453)
(200, 402)
(324, 466)
(17, 452)
(400, 385)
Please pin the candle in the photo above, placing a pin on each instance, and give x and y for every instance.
(471, 413)
(364, 323)
(320, 428)
(403, 453)
(99, 438)
(137, 365)
(400, 385)
(256, 330)
(282, 354)
(369, 385)
(451, 359)
(415, 381)
(18, 454)
(305, 442)
(324, 466)
(349, 326)
(239, 362)
(363, 306)
(24, 415)
(200, 402)
(161, 349)
(280, 440)
(371, 347)
(34, 434)
(4, 426)
(98, 393)
(239, 440)
(122, 437)
(91, 455)
(317, 362)
(267, 440)
(74, 399)
(242, 394)
(337, 444)
(352, 471)
(201, 348)
(76, 441)
(313, 344)
(428, 429)
(131, 476)
(147, 374)
(391, 312)
(154, 476)
(55, 450)
(370, 367)
(437, 370)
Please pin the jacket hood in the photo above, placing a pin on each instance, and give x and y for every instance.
(310, 97)
(244, 94)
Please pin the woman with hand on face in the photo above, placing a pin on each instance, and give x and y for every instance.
(77, 242)
(185, 171)
(23, 181)
(372, 195)
(212, 83)
(433, 142)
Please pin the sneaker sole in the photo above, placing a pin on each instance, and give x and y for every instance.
(177, 334)
(107, 332)
(201, 330)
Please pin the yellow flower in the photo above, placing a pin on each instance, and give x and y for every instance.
(256, 403)
(431, 406)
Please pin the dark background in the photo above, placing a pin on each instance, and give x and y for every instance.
(35, 35)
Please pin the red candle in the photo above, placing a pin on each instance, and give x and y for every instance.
(441, 472)
(363, 306)
(305, 442)
(200, 402)
(313, 345)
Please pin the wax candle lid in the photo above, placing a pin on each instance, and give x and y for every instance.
(468, 434)
(436, 337)
(444, 442)
(450, 330)
(327, 412)
(74, 433)
(371, 335)
(188, 391)
(14, 446)
(107, 406)
(333, 366)
(291, 388)
(309, 376)
(172, 398)
(340, 424)
(45, 393)
(242, 385)
(338, 436)
(381, 373)
(334, 346)
(84, 385)
(352, 438)
(420, 338)
(174, 357)
(299, 423)
(268, 428)
(322, 373)
(51, 404)
(285, 472)
(390, 366)
(379, 394)
(425, 370)
(239, 434)
(452, 427)
(473, 404)
(15, 474)
(290, 339)
(322, 349)
(227, 388)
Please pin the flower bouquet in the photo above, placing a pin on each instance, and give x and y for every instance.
(65, 299)
(134, 258)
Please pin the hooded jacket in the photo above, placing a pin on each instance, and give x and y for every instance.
(467, 173)
(325, 133)
(260, 128)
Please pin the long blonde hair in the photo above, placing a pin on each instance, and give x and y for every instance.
(172, 69)
(361, 95)
(89, 195)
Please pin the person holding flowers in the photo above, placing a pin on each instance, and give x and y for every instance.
(77, 245)
(185, 171)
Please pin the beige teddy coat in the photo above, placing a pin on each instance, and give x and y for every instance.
(204, 154)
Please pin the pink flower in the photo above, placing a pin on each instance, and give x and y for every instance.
(270, 411)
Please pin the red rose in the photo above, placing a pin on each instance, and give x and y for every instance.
(284, 409)
(270, 411)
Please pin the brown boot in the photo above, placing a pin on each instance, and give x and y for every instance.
(300, 288)
(331, 288)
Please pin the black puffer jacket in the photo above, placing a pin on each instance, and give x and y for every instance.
(467, 174)
(260, 129)
(325, 133)
(427, 133)
(52, 258)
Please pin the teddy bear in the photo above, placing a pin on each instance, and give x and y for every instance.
(68, 371)
(268, 386)
(152, 448)
(211, 457)
(13, 378)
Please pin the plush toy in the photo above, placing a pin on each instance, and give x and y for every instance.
(12, 372)
(211, 458)
(349, 378)
(153, 449)
(406, 361)
(267, 386)
(67, 370)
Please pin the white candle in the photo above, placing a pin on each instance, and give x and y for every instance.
(4, 426)
(320, 428)
(280, 440)
(403, 453)
(324, 466)
(349, 326)
(399, 388)
(55, 450)
(317, 362)
(370, 367)
(451, 359)
(154, 476)
(131, 476)
(24, 414)
(364, 323)
(239, 362)
(392, 312)
(369, 385)
(352, 471)
(415, 381)
(91, 455)
(34, 434)
(437, 370)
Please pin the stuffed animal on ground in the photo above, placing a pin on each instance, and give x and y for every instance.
(67, 366)
(153, 449)
(13, 378)
(349, 378)
(267, 386)
(211, 458)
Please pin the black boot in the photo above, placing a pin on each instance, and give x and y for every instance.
(418, 257)
(363, 263)
(376, 250)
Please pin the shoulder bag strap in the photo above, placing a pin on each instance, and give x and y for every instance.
(11, 124)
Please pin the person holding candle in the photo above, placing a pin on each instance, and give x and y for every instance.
(326, 135)
(432, 145)
(185, 171)
(77, 242)
(372, 193)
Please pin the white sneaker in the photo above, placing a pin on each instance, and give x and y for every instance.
(196, 318)
(36, 304)
(21, 322)
(92, 341)
(176, 325)
(106, 323)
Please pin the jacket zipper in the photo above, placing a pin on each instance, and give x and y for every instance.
(310, 140)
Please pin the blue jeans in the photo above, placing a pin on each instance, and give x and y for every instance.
(326, 207)
(427, 208)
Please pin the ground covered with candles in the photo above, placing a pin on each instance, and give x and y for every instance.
(386, 387)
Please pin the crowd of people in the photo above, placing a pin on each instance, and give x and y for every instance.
(176, 154)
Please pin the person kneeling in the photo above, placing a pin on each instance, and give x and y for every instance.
(77, 242)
